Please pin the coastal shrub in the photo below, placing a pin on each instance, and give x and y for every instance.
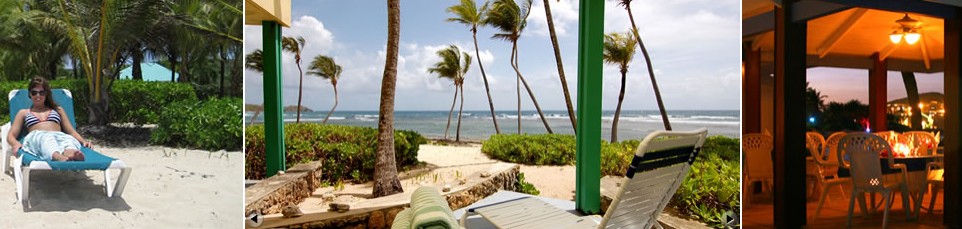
(555, 149)
(711, 190)
(534, 149)
(141, 102)
(525, 187)
(726, 148)
(211, 125)
(131, 101)
(342, 149)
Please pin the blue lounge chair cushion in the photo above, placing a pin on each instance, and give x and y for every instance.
(92, 161)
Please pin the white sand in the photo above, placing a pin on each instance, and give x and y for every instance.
(553, 181)
(189, 189)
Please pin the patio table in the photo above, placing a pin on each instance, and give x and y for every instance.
(917, 177)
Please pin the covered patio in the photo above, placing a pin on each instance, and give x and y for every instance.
(783, 39)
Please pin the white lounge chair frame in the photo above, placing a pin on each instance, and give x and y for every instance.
(638, 202)
(21, 173)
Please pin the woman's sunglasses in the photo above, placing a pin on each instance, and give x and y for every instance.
(35, 93)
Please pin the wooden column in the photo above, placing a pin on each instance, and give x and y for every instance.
(789, 136)
(751, 90)
(953, 122)
(878, 94)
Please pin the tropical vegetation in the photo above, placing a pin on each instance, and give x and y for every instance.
(710, 191)
(511, 19)
(651, 72)
(386, 181)
(619, 49)
(453, 65)
(326, 68)
(294, 46)
(94, 40)
(345, 150)
(468, 13)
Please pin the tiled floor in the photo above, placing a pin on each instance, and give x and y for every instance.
(834, 213)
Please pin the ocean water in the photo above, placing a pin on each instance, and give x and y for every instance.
(477, 124)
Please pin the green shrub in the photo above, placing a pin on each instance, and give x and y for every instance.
(712, 188)
(556, 149)
(342, 149)
(142, 102)
(212, 125)
(525, 187)
(136, 102)
(537, 149)
(726, 148)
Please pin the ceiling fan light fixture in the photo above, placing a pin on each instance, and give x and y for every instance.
(912, 37)
(895, 37)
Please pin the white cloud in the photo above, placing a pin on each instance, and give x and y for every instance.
(564, 15)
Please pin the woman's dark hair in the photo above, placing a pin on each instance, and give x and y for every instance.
(46, 91)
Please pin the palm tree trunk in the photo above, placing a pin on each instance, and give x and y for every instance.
(457, 137)
(651, 73)
(517, 84)
(300, 90)
(254, 118)
(621, 98)
(912, 92)
(484, 76)
(332, 108)
(223, 70)
(385, 169)
(530, 94)
(450, 113)
(561, 70)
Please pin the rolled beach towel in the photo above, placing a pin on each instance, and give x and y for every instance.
(431, 210)
(403, 219)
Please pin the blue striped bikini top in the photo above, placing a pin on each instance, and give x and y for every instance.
(32, 118)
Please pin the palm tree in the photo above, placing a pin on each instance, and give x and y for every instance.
(450, 67)
(469, 15)
(325, 67)
(619, 49)
(511, 19)
(255, 61)
(295, 45)
(561, 70)
(912, 92)
(97, 43)
(385, 168)
(651, 72)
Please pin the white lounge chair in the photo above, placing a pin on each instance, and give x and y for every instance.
(660, 165)
(25, 162)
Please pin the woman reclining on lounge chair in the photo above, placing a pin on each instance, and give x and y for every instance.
(50, 135)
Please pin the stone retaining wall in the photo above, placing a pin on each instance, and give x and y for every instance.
(272, 194)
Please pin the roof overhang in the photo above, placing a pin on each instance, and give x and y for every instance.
(256, 12)
(841, 34)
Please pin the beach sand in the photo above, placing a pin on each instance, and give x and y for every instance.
(553, 181)
(167, 188)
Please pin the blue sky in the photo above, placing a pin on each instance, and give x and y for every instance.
(694, 45)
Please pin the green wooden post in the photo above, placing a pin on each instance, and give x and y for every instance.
(588, 164)
(273, 116)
